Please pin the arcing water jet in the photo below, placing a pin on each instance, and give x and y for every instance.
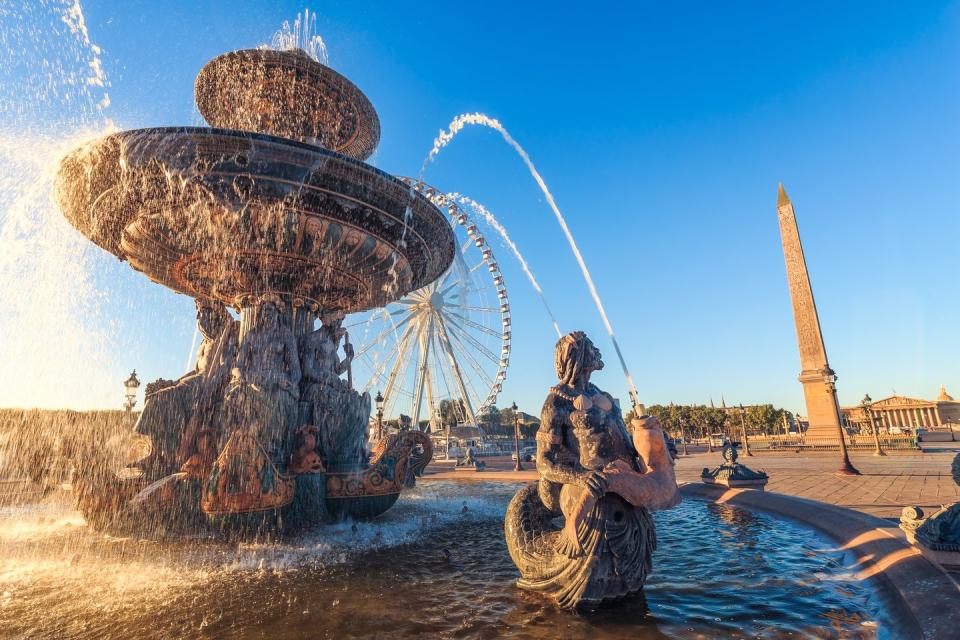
(493, 222)
(445, 137)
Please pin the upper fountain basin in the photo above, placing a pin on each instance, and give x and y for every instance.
(287, 94)
(227, 215)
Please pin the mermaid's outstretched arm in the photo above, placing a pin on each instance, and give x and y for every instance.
(656, 488)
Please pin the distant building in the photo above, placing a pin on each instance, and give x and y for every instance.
(904, 413)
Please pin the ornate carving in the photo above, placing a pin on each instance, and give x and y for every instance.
(733, 474)
(287, 94)
(220, 214)
(245, 480)
(387, 473)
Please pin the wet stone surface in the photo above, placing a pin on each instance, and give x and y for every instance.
(435, 566)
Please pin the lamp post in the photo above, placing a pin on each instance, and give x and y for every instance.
(709, 437)
(865, 407)
(379, 401)
(830, 381)
(683, 436)
(516, 436)
(743, 428)
(130, 386)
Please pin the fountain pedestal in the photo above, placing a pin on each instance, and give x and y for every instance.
(733, 474)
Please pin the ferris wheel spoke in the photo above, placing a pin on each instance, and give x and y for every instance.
(423, 344)
(474, 363)
(401, 348)
(438, 343)
(379, 339)
(443, 370)
(479, 346)
(457, 398)
(476, 325)
(445, 339)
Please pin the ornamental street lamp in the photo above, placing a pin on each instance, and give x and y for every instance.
(379, 401)
(516, 436)
(683, 436)
(130, 386)
(743, 428)
(865, 407)
(830, 381)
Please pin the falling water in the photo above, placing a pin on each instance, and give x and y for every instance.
(193, 349)
(302, 35)
(445, 137)
(493, 222)
(53, 90)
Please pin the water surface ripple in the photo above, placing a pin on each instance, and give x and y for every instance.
(718, 572)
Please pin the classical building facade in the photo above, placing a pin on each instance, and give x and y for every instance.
(905, 413)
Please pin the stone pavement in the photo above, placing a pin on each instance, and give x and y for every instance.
(887, 485)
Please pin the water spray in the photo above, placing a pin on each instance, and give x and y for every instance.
(445, 137)
(493, 222)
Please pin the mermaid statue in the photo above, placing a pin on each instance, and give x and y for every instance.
(603, 480)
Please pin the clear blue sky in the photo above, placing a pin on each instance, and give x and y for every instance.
(662, 130)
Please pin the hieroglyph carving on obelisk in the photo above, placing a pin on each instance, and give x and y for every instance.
(816, 375)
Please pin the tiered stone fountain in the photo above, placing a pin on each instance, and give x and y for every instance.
(272, 213)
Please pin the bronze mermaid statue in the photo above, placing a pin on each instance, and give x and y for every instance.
(604, 482)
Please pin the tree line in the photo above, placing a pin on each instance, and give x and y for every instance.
(698, 421)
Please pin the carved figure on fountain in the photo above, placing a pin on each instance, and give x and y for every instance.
(264, 389)
(192, 402)
(602, 481)
(340, 413)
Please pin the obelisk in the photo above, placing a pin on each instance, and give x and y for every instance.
(816, 376)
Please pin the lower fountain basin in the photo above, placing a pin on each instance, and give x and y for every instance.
(719, 571)
(224, 214)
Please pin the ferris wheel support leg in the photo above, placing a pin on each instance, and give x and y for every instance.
(445, 341)
(423, 338)
(401, 354)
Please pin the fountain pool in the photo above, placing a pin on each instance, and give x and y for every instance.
(719, 571)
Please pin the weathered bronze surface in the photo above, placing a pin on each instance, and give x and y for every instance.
(264, 436)
(225, 215)
(287, 94)
(733, 474)
(600, 479)
(940, 531)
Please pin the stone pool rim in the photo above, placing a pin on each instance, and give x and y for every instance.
(919, 599)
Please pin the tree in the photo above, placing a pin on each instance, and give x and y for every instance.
(452, 411)
(506, 417)
(762, 418)
(490, 419)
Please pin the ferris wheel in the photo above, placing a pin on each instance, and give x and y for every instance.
(441, 352)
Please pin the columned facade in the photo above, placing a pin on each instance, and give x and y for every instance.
(901, 412)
